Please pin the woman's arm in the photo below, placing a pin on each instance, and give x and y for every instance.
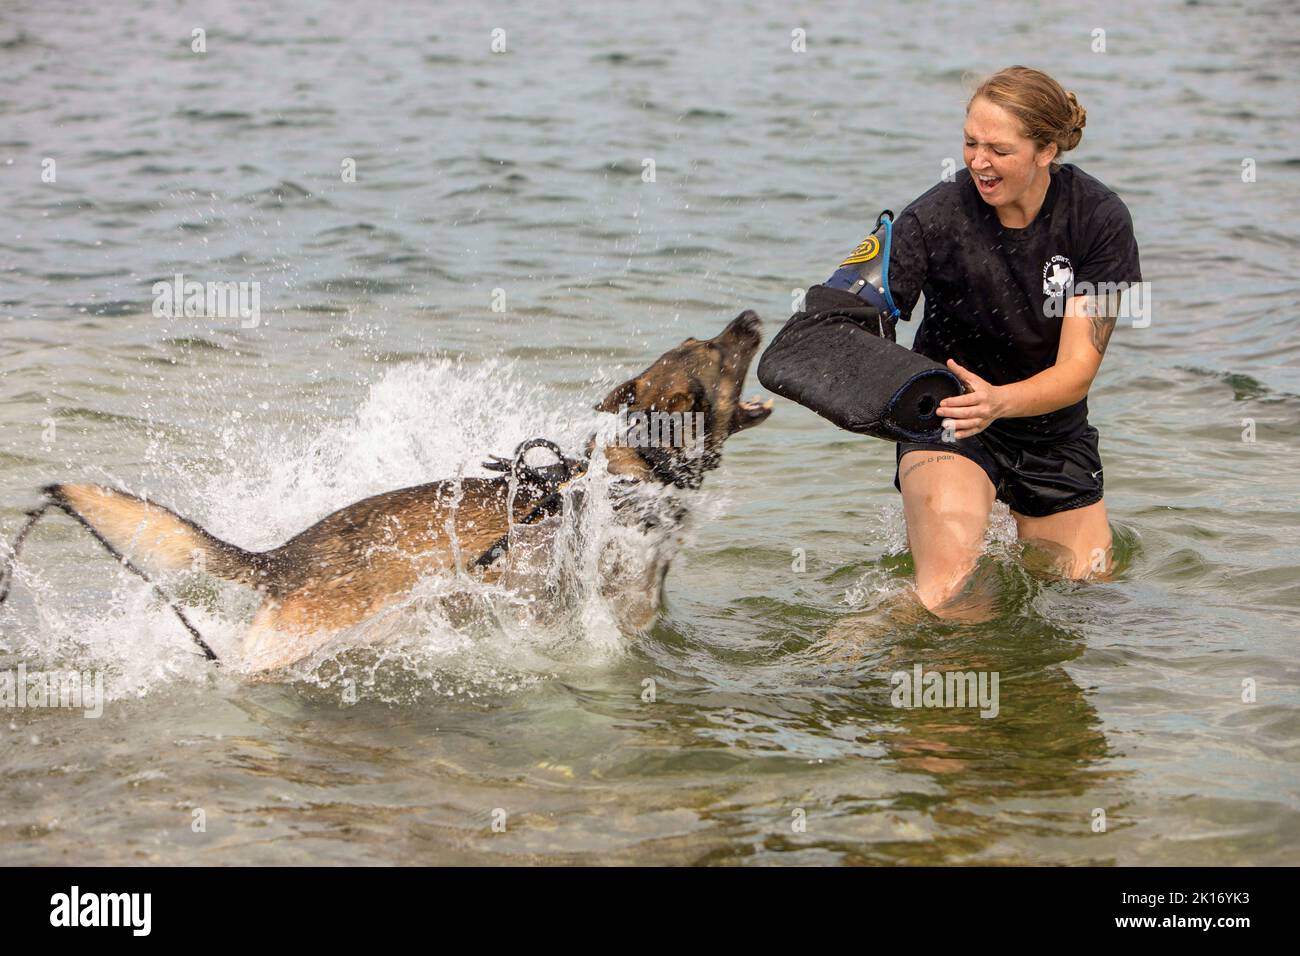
(1085, 331)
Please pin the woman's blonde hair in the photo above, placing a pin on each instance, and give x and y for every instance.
(1048, 113)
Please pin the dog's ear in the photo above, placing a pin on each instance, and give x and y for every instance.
(622, 395)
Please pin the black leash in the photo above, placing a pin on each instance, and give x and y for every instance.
(7, 574)
(548, 506)
(34, 516)
(547, 478)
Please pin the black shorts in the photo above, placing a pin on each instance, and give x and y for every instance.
(1035, 480)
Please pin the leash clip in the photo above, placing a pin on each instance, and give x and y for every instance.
(544, 477)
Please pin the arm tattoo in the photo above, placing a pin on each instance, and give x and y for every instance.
(1103, 314)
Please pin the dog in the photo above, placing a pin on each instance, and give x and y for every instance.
(365, 557)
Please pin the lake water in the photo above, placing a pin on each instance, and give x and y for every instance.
(379, 361)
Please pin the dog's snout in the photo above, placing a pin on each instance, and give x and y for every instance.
(745, 327)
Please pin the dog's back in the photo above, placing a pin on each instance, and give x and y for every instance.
(335, 574)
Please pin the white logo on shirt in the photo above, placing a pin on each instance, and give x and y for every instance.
(1058, 274)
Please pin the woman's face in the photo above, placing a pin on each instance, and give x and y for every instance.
(1002, 160)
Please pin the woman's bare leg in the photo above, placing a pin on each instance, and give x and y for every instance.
(946, 501)
(1080, 539)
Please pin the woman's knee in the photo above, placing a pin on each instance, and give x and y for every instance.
(937, 592)
(1092, 563)
(1077, 544)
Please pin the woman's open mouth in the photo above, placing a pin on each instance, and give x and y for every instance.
(987, 184)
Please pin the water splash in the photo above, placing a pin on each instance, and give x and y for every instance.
(451, 635)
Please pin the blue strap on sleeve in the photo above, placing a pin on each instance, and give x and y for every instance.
(887, 218)
(859, 278)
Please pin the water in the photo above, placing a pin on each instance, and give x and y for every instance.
(380, 362)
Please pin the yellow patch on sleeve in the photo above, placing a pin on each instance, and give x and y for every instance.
(866, 250)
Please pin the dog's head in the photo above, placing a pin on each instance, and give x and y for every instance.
(680, 410)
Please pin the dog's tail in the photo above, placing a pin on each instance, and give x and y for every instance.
(153, 537)
(143, 535)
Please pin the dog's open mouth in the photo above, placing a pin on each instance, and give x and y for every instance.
(750, 413)
(742, 338)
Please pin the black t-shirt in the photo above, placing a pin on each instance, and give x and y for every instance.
(988, 288)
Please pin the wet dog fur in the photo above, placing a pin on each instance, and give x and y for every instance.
(362, 558)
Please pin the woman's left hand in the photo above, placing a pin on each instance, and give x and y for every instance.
(977, 409)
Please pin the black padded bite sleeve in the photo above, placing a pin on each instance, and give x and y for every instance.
(833, 359)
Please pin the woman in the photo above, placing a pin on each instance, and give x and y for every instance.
(1003, 254)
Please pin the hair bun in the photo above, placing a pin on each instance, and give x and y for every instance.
(1078, 120)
